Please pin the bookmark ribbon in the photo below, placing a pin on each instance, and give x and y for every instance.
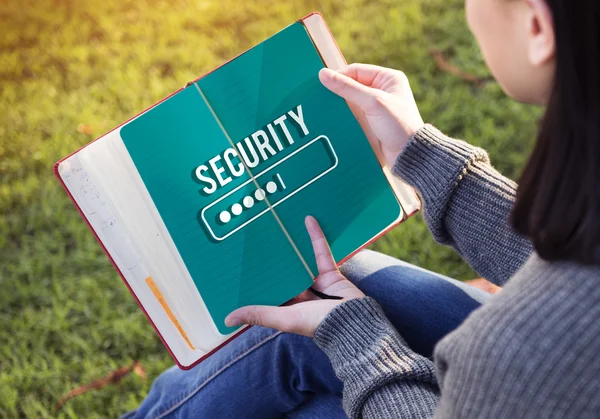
(161, 300)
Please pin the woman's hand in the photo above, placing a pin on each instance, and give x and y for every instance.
(304, 313)
(384, 96)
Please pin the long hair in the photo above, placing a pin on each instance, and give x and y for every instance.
(558, 198)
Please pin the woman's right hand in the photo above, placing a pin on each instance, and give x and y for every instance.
(385, 97)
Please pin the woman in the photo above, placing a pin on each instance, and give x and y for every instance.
(531, 350)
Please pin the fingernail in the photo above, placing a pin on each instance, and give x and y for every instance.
(326, 74)
(231, 321)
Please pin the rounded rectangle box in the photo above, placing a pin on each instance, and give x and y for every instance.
(279, 182)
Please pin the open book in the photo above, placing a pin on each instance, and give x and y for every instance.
(199, 201)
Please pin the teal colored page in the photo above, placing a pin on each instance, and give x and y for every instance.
(349, 195)
(257, 265)
(302, 145)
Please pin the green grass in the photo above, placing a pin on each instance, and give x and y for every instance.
(65, 316)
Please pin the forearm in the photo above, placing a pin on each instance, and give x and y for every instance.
(467, 203)
(383, 377)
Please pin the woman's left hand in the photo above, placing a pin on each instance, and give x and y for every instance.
(304, 313)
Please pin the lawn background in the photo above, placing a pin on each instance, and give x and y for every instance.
(71, 70)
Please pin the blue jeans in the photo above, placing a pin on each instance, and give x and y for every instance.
(269, 374)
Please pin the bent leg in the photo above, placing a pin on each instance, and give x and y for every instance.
(268, 374)
(262, 374)
(422, 305)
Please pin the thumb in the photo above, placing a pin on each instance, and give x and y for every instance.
(266, 316)
(347, 87)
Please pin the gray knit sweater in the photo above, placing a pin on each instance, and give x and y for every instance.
(530, 351)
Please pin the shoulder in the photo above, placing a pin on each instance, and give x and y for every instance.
(532, 349)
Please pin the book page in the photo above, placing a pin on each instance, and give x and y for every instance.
(111, 203)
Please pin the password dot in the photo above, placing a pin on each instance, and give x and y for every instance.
(236, 209)
(225, 217)
(248, 202)
(259, 194)
(271, 187)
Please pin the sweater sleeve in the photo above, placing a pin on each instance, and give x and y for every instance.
(383, 378)
(467, 203)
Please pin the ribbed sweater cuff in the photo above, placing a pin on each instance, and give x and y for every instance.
(434, 163)
(353, 334)
(367, 353)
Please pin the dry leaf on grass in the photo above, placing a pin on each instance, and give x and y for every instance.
(112, 378)
(87, 129)
(446, 66)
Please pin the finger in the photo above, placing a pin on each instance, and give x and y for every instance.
(324, 283)
(346, 87)
(366, 74)
(267, 316)
(287, 319)
(376, 77)
(325, 261)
